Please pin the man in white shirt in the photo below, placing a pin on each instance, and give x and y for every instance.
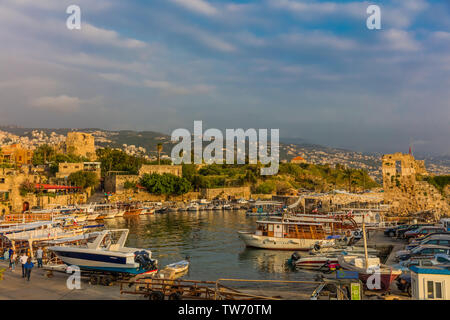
(23, 260)
(39, 255)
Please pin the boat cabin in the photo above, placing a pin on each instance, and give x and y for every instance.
(280, 229)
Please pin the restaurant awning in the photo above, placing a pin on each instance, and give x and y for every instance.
(54, 187)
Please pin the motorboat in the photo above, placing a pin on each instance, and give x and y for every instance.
(193, 207)
(318, 262)
(107, 253)
(147, 210)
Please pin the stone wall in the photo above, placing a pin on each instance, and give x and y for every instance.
(115, 183)
(176, 170)
(224, 193)
(130, 195)
(10, 182)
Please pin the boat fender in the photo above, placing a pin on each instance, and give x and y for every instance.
(317, 247)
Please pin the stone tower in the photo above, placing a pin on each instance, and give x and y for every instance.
(405, 187)
(81, 144)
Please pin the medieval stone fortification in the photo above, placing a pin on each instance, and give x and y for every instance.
(80, 144)
(404, 189)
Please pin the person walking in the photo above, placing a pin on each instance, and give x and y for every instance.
(10, 254)
(23, 260)
(39, 256)
(28, 266)
(12, 261)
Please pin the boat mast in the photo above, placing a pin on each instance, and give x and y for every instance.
(365, 243)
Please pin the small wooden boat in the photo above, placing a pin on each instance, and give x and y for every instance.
(366, 270)
(178, 267)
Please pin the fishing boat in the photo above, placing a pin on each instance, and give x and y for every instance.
(286, 235)
(107, 253)
(133, 210)
(178, 267)
(366, 267)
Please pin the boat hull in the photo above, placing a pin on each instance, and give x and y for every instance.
(315, 263)
(99, 261)
(264, 242)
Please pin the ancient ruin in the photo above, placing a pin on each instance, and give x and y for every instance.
(405, 189)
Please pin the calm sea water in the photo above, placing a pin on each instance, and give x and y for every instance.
(211, 241)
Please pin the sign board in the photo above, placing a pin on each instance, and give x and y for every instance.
(355, 291)
(345, 274)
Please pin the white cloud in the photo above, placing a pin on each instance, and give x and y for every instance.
(198, 6)
(400, 40)
(175, 89)
(62, 103)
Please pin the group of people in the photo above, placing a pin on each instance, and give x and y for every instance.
(25, 261)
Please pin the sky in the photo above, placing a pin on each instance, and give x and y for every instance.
(309, 68)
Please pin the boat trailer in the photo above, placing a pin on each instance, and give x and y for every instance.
(179, 289)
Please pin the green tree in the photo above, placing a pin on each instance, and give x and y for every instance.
(159, 147)
(83, 179)
(166, 183)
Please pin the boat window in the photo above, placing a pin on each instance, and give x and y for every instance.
(270, 227)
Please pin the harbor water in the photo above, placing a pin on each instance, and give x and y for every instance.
(210, 239)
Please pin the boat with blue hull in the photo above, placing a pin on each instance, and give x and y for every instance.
(107, 253)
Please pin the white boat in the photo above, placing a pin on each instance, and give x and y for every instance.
(147, 210)
(178, 267)
(193, 207)
(120, 213)
(92, 216)
(107, 252)
(283, 235)
(316, 262)
(227, 207)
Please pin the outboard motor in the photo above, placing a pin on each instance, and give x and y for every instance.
(143, 258)
(293, 259)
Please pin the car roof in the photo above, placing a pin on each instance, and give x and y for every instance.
(437, 236)
(433, 246)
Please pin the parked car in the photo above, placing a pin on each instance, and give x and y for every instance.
(440, 239)
(401, 232)
(391, 232)
(421, 251)
(422, 231)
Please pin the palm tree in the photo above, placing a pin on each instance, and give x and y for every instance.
(348, 175)
(159, 147)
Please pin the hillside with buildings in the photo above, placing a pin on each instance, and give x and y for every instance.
(145, 144)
